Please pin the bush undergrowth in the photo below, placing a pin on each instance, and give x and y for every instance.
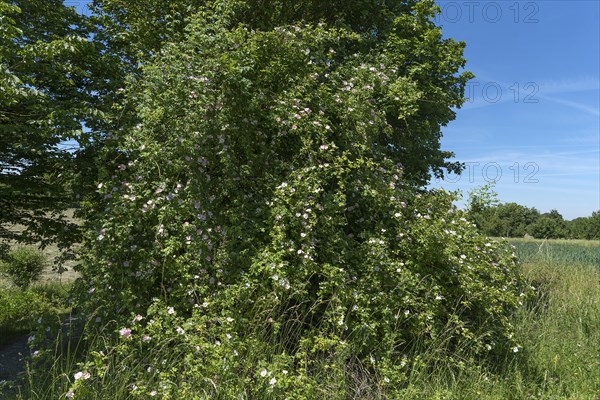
(559, 359)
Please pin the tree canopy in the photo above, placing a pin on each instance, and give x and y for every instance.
(53, 80)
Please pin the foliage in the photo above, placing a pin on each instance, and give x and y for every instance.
(266, 217)
(549, 226)
(53, 83)
(421, 274)
(17, 306)
(20, 310)
(481, 198)
(555, 328)
(585, 228)
(480, 205)
(514, 220)
(23, 265)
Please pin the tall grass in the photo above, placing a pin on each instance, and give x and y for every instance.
(560, 334)
(559, 331)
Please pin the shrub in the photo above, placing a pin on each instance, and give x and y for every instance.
(372, 288)
(23, 265)
(19, 310)
(263, 228)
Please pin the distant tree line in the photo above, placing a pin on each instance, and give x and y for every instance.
(514, 220)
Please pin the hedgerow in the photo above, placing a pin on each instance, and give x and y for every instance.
(265, 234)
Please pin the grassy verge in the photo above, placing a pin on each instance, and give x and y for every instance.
(560, 358)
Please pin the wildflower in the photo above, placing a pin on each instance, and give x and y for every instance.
(263, 373)
(125, 332)
(82, 375)
(146, 338)
(170, 311)
(70, 394)
(180, 330)
(153, 393)
(515, 349)
(273, 381)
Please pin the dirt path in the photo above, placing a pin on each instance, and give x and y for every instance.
(12, 364)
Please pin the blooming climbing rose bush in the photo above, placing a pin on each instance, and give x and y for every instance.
(263, 232)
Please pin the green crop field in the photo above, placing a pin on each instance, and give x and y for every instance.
(558, 251)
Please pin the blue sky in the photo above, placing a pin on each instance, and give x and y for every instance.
(533, 120)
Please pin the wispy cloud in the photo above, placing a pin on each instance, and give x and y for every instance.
(492, 92)
(572, 104)
(580, 84)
